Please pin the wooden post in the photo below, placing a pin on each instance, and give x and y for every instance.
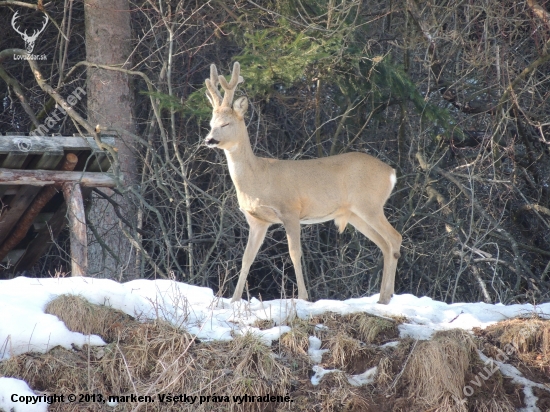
(77, 227)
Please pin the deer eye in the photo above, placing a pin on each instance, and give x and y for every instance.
(223, 125)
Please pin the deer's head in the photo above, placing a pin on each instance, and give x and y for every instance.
(227, 124)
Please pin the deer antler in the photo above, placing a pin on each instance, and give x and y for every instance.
(37, 32)
(212, 86)
(230, 87)
(13, 19)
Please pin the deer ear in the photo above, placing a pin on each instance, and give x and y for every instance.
(241, 106)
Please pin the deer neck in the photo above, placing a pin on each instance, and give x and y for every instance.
(241, 160)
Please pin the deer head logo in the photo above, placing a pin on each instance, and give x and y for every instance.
(29, 40)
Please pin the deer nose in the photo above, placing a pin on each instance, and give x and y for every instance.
(210, 141)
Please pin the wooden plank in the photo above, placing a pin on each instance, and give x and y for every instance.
(50, 177)
(77, 226)
(13, 257)
(41, 144)
(98, 163)
(44, 239)
(110, 140)
(48, 161)
(17, 207)
(28, 144)
(8, 190)
(41, 220)
(14, 160)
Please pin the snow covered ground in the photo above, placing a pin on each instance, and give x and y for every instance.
(25, 327)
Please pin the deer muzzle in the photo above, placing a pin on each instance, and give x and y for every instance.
(211, 142)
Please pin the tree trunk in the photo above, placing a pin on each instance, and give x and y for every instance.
(110, 103)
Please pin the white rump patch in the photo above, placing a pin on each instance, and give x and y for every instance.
(393, 179)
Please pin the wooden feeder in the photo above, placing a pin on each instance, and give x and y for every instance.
(43, 181)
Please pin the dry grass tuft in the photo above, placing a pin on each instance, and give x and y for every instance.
(252, 356)
(297, 340)
(59, 370)
(374, 329)
(367, 328)
(544, 398)
(79, 315)
(437, 368)
(256, 372)
(343, 349)
(496, 394)
(263, 324)
(501, 404)
(384, 373)
(149, 351)
(526, 335)
(355, 402)
(527, 341)
(334, 393)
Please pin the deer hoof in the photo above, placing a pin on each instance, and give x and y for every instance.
(384, 300)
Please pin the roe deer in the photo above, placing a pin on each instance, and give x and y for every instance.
(347, 188)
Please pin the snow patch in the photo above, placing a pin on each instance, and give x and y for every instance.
(314, 350)
(11, 386)
(517, 377)
(364, 378)
(319, 373)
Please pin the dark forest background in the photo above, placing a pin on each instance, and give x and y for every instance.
(454, 94)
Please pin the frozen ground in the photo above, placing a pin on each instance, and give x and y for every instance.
(25, 327)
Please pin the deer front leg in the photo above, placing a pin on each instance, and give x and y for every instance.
(292, 227)
(256, 236)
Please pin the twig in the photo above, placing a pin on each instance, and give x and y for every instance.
(289, 19)
(116, 207)
(20, 95)
(518, 261)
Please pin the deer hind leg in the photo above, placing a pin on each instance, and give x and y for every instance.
(292, 227)
(381, 232)
(256, 236)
